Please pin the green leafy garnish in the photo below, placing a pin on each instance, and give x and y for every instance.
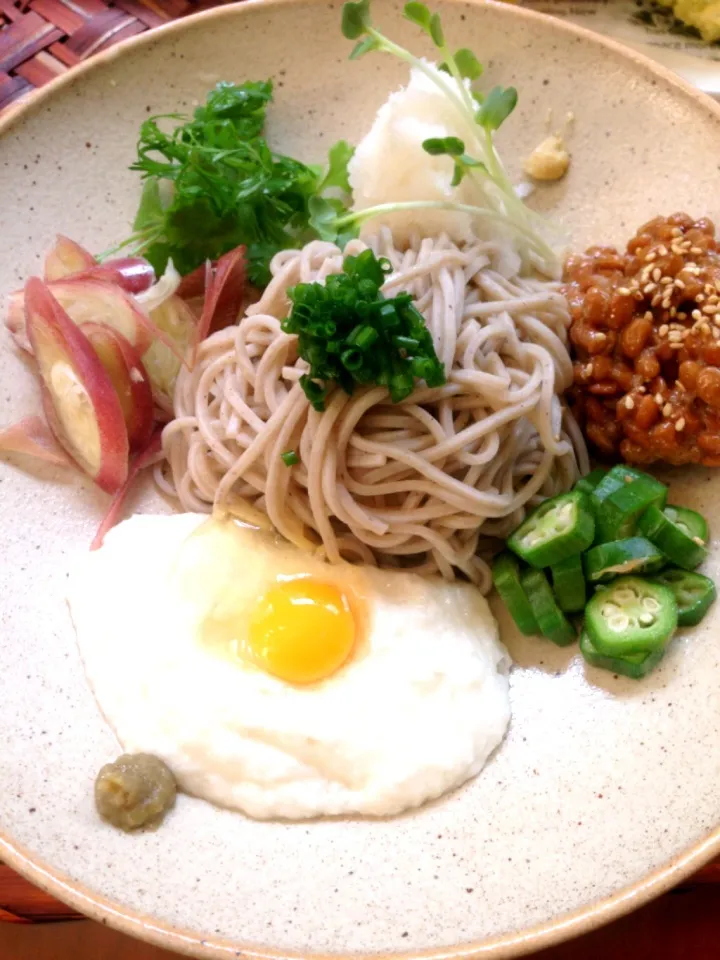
(476, 159)
(362, 47)
(455, 148)
(289, 458)
(349, 333)
(452, 146)
(212, 184)
(339, 156)
(436, 31)
(497, 107)
(468, 64)
(355, 19)
(418, 13)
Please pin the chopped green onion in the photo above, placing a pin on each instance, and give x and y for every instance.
(338, 322)
(362, 337)
(289, 458)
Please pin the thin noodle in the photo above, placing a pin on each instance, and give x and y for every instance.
(424, 483)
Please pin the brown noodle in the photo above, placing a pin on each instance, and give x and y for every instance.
(424, 482)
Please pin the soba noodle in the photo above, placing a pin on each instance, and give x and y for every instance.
(422, 483)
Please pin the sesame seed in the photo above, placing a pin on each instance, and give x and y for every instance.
(623, 292)
(682, 315)
(716, 332)
(700, 298)
(696, 315)
(662, 250)
(663, 330)
(664, 281)
(656, 274)
(676, 232)
(650, 256)
(649, 315)
(649, 288)
(680, 424)
(667, 409)
(705, 327)
(656, 300)
(677, 249)
(709, 288)
(679, 284)
(678, 346)
(697, 251)
(699, 541)
(602, 336)
(629, 403)
(588, 369)
(673, 312)
(658, 398)
(679, 386)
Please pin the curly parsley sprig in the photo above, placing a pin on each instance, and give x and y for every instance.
(212, 183)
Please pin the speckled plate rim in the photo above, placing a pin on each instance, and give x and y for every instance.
(183, 941)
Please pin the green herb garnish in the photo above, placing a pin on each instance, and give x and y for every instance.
(455, 148)
(213, 183)
(349, 333)
(476, 158)
(289, 458)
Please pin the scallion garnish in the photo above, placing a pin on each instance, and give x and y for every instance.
(289, 458)
(350, 333)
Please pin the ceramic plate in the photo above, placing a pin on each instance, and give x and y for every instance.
(605, 791)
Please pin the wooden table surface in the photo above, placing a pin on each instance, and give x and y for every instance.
(682, 925)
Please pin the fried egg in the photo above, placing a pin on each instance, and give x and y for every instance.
(276, 684)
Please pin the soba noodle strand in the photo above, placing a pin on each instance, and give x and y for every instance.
(423, 483)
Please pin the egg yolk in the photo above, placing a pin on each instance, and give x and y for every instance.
(302, 630)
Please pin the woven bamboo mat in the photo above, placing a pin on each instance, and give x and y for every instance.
(40, 39)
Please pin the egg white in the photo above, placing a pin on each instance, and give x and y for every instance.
(414, 713)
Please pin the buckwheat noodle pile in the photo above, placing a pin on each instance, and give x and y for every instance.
(420, 484)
